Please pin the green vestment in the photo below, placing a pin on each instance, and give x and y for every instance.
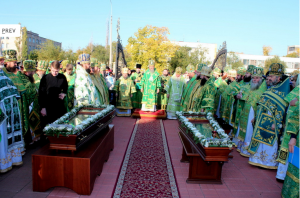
(125, 88)
(37, 80)
(290, 187)
(106, 92)
(189, 87)
(162, 95)
(194, 95)
(249, 99)
(174, 88)
(70, 94)
(206, 98)
(271, 110)
(150, 83)
(228, 100)
(138, 95)
(221, 88)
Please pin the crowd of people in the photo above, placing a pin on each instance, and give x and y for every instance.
(262, 110)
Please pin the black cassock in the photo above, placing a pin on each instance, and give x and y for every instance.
(50, 88)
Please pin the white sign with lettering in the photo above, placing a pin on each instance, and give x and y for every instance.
(10, 30)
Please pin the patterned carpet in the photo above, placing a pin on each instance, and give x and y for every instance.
(147, 170)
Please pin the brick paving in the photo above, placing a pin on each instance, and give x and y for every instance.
(239, 178)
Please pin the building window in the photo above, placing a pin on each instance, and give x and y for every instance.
(252, 62)
(29, 39)
(2, 37)
(33, 40)
(2, 46)
(246, 62)
(29, 47)
(291, 48)
(7, 37)
(296, 65)
(289, 65)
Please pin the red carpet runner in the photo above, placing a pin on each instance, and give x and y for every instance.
(147, 170)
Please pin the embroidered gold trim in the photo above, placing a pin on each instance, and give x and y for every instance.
(263, 166)
(295, 179)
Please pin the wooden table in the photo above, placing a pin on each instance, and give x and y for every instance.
(205, 162)
(76, 171)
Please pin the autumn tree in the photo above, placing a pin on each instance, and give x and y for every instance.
(267, 50)
(150, 42)
(233, 60)
(269, 61)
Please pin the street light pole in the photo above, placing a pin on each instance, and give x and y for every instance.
(110, 48)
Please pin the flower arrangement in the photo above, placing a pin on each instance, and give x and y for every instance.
(60, 127)
(222, 141)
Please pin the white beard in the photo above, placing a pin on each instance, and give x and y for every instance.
(255, 86)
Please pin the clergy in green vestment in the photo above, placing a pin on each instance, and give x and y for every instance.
(28, 93)
(70, 76)
(162, 99)
(221, 83)
(292, 118)
(189, 87)
(248, 104)
(101, 71)
(269, 120)
(174, 90)
(11, 140)
(40, 72)
(138, 95)
(34, 109)
(289, 141)
(85, 91)
(98, 82)
(124, 88)
(195, 89)
(150, 86)
(206, 97)
(243, 87)
(239, 104)
(228, 96)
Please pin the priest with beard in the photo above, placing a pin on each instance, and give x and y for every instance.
(53, 89)
(85, 91)
(32, 91)
(221, 84)
(234, 88)
(40, 72)
(269, 124)
(206, 97)
(191, 88)
(239, 104)
(249, 101)
(22, 82)
(150, 86)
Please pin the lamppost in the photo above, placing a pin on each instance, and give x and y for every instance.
(110, 39)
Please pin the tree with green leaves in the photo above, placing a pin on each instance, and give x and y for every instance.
(24, 45)
(233, 60)
(269, 61)
(33, 55)
(48, 51)
(150, 42)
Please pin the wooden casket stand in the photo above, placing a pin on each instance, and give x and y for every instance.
(77, 170)
(205, 163)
